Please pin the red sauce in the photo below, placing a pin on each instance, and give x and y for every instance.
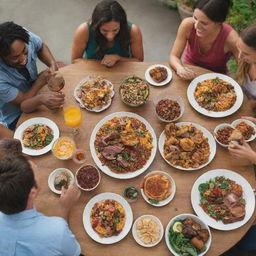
(88, 177)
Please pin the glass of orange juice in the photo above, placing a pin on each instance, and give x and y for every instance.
(73, 118)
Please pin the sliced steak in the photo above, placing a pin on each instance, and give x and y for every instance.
(110, 137)
(230, 199)
(110, 152)
(122, 161)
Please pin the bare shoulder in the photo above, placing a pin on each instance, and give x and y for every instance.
(135, 30)
(232, 36)
(82, 29)
(186, 26)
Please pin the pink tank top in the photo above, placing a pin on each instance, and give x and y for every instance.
(215, 58)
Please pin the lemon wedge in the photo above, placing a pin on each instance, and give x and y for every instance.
(177, 227)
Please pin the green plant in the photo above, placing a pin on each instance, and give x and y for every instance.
(242, 14)
(187, 3)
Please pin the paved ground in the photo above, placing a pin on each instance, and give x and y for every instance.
(56, 20)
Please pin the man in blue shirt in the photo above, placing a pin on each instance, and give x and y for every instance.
(23, 230)
(19, 79)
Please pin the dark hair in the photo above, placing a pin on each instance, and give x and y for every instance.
(216, 10)
(10, 147)
(16, 180)
(106, 11)
(248, 35)
(10, 32)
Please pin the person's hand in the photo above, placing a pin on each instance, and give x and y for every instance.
(252, 119)
(44, 76)
(110, 60)
(69, 196)
(53, 67)
(186, 73)
(242, 151)
(52, 100)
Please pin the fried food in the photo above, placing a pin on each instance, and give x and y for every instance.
(148, 230)
(185, 146)
(158, 74)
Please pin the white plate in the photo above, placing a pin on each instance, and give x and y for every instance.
(182, 217)
(104, 168)
(248, 195)
(37, 120)
(236, 122)
(52, 176)
(96, 109)
(192, 86)
(87, 224)
(152, 82)
(157, 221)
(206, 133)
(169, 198)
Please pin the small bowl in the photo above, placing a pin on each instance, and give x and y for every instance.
(121, 90)
(182, 217)
(63, 148)
(154, 219)
(177, 99)
(218, 127)
(131, 193)
(53, 175)
(89, 172)
(236, 122)
(166, 200)
(79, 156)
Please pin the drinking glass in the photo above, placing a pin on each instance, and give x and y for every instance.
(73, 118)
(56, 82)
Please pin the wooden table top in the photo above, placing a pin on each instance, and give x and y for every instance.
(46, 200)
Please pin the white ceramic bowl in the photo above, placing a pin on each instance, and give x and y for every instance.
(87, 189)
(169, 198)
(218, 127)
(236, 122)
(178, 99)
(182, 217)
(52, 176)
(135, 234)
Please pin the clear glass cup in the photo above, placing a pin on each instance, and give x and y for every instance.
(56, 82)
(73, 118)
(79, 156)
(131, 193)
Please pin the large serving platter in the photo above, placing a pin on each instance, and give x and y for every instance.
(87, 223)
(37, 120)
(248, 195)
(95, 109)
(192, 87)
(206, 133)
(104, 168)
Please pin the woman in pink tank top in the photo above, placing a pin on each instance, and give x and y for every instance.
(207, 41)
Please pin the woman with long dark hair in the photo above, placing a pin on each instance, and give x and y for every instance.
(208, 42)
(108, 36)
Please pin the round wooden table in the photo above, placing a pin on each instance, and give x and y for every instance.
(46, 200)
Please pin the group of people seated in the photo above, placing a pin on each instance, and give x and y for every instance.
(203, 40)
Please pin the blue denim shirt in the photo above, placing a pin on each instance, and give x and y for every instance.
(30, 233)
(11, 81)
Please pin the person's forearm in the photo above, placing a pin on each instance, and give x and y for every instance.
(46, 56)
(5, 132)
(31, 104)
(175, 63)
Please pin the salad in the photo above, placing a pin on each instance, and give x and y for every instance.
(187, 237)
(222, 199)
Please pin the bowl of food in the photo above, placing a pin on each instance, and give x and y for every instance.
(186, 233)
(169, 108)
(63, 148)
(60, 177)
(246, 127)
(134, 91)
(222, 133)
(158, 188)
(87, 177)
(147, 230)
(131, 193)
(79, 156)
